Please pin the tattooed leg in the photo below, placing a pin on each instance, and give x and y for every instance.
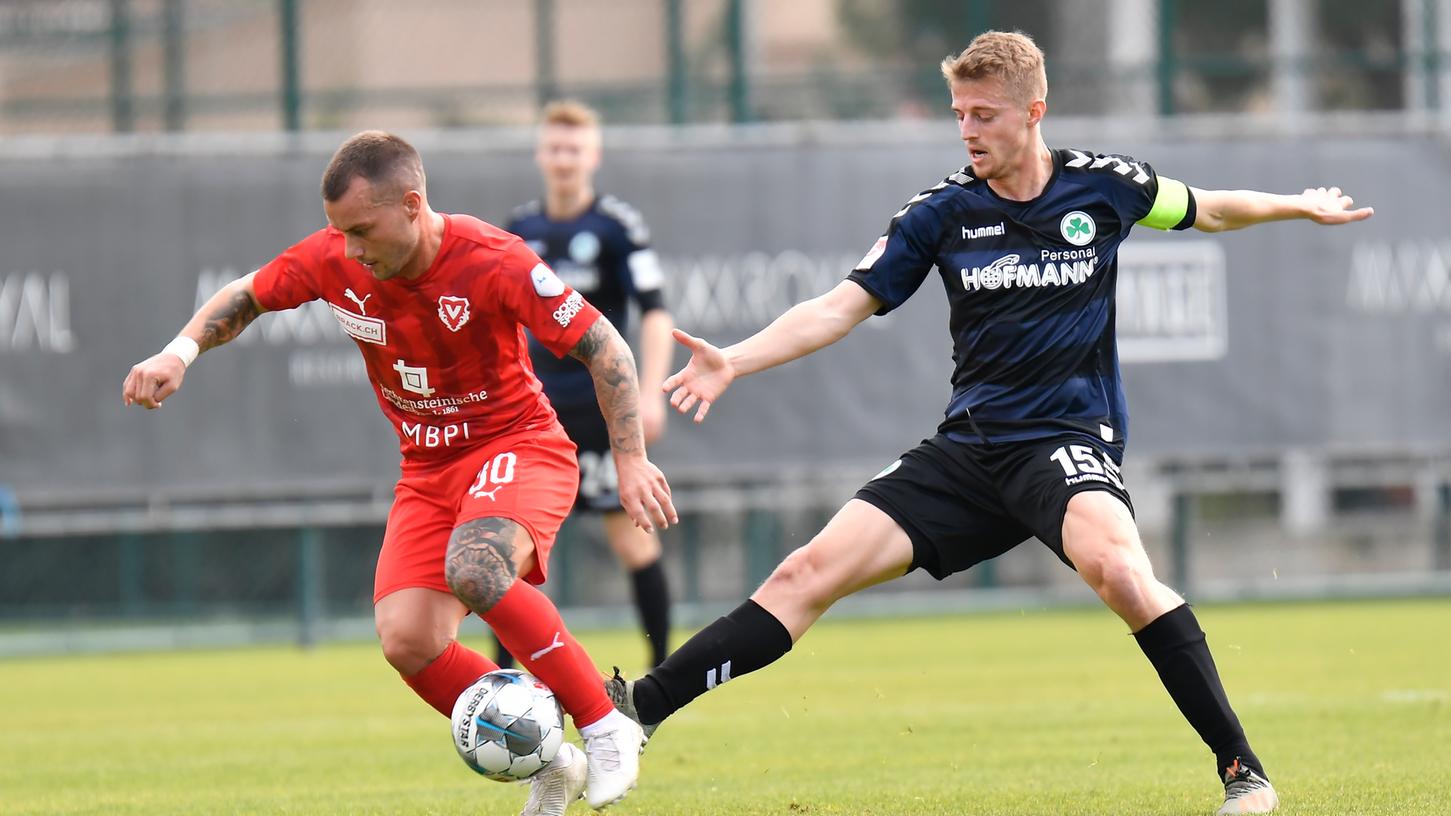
(483, 560)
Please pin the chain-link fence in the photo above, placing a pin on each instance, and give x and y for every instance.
(123, 65)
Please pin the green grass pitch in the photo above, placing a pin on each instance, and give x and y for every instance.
(1039, 712)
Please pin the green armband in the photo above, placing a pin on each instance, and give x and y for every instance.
(1170, 205)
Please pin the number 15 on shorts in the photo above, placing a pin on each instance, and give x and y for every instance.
(1082, 463)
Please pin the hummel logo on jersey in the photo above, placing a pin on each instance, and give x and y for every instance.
(996, 230)
(712, 679)
(348, 293)
(546, 283)
(557, 644)
(453, 311)
(1007, 272)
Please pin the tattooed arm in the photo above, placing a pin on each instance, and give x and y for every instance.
(222, 318)
(644, 493)
(230, 310)
(612, 366)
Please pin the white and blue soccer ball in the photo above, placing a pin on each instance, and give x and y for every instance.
(507, 725)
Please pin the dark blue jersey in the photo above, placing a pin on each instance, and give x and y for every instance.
(1031, 287)
(604, 254)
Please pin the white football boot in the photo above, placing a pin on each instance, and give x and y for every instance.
(557, 784)
(613, 746)
(1245, 791)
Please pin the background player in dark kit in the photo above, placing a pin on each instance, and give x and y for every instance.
(600, 247)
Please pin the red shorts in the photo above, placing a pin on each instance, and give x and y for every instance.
(530, 478)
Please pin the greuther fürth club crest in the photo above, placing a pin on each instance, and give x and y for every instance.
(453, 311)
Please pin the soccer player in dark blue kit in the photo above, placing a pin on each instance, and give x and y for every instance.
(1025, 239)
(600, 246)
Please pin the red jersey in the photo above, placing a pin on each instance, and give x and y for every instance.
(446, 352)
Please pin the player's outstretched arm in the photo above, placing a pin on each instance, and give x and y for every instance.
(644, 493)
(223, 317)
(1220, 210)
(804, 328)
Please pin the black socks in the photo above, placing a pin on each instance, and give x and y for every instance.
(1175, 644)
(747, 639)
(652, 599)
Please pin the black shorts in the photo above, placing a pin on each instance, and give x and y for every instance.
(964, 503)
(599, 485)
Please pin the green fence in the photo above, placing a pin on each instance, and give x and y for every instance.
(144, 65)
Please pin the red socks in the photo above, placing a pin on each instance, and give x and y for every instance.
(442, 681)
(529, 626)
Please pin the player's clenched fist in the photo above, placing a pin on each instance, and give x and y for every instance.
(152, 380)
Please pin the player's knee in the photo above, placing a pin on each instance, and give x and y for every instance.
(800, 576)
(479, 585)
(480, 565)
(409, 648)
(1113, 565)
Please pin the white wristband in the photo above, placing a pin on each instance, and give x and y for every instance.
(183, 347)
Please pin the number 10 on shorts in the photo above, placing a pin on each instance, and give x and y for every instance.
(1082, 463)
(495, 473)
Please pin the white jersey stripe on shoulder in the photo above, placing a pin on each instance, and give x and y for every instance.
(1118, 164)
(961, 178)
(526, 209)
(628, 216)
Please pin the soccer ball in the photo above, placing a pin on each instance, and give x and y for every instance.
(507, 725)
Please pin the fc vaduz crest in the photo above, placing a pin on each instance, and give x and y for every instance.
(453, 311)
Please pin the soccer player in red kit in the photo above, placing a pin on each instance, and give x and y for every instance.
(438, 305)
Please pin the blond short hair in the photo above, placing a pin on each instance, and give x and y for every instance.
(1008, 56)
(569, 113)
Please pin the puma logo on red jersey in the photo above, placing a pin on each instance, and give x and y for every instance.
(351, 295)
